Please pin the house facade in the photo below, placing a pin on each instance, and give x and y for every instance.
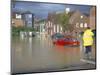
(22, 19)
(93, 18)
(51, 26)
(17, 20)
(77, 20)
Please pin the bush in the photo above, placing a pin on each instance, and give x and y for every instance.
(15, 31)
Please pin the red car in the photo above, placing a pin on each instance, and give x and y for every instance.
(67, 41)
(59, 41)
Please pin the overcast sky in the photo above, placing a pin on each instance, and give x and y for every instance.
(41, 10)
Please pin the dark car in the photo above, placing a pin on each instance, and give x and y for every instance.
(57, 36)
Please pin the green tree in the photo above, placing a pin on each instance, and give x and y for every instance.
(63, 20)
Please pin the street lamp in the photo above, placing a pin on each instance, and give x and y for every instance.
(81, 16)
(67, 10)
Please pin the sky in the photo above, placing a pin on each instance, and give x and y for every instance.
(41, 10)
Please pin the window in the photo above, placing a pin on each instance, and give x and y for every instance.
(54, 28)
(57, 28)
(81, 25)
(85, 25)
(30, 16)
(12, 22)
(61, 29)
(18, 16)
(77, 25)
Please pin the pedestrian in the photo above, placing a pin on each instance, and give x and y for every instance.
(88, 42)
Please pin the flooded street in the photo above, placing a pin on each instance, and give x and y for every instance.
(38, 29)
(38, 54)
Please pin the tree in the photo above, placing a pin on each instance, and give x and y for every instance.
(63, 20)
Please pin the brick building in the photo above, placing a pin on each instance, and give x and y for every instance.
(93, 18)
(77, 20)
(25, 19)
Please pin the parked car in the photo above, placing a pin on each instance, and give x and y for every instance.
(67, 42)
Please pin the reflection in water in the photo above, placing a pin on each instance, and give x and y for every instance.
(38, 53)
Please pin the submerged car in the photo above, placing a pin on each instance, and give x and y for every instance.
(57, 36)
(67, 42)
(71, 42)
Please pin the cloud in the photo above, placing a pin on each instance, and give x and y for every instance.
(42, 9)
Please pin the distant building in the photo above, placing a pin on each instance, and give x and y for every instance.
(22, 19)
(17, 20)
(51, 27)
(93, 18)
(36, 24)
(28, 19)
(79, 21)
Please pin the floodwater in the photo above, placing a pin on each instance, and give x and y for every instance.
(38, 54)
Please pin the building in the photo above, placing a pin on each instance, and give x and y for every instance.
(25, 19)
(93, 18)
(51, 26)
(79, 21)
(17, 20)
(36, 24)
(28, 19)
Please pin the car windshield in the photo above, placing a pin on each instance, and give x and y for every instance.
(58, 35)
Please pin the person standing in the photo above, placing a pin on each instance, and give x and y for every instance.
(88, 42)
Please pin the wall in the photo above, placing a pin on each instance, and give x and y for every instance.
(93, 18)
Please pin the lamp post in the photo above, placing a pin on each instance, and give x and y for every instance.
(67, 10)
